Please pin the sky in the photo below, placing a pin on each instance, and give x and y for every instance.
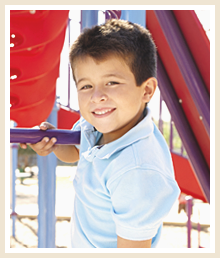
(62, 81)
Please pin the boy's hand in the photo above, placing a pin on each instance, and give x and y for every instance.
(46, 145)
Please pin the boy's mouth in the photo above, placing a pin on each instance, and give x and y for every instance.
(103, 112)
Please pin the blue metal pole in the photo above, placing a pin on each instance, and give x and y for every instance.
(51, 192)
(135, 16)
(14, 167)
(89, 18)
(47, 194)
(42, 203)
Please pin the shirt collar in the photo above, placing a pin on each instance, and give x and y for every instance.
(142, 130)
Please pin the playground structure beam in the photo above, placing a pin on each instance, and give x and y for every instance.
(135, 16)
(186, 65)
(89, 18)
(47, 194)
(186, 134)
(23, 135)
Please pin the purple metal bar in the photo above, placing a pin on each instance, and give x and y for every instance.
(186, 65)
(182, 149)
(160, 115)
(185, 132)
(171, 134)
(189, 204)
(19, 135)
(68, 105)
(112, 14)
(199, 229)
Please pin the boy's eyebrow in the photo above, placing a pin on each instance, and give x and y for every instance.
(104, 76)
(82, 79)
(114, 75)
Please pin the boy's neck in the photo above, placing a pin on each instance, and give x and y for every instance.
(107, 138)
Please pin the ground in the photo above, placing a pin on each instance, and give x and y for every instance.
(174, 234)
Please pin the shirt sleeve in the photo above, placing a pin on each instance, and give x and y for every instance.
(140, 200)
(77, 127)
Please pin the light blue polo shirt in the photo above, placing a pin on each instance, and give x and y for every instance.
(125, 188)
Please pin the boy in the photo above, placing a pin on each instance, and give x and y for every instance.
(124, 182)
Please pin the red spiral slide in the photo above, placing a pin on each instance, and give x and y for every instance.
(36, 41)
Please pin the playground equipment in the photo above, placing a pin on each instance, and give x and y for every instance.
(36, 41)
(183, 82)
(183, 88)
(36, 135)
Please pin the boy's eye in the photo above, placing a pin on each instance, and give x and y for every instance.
(112, 83)
(85, 87)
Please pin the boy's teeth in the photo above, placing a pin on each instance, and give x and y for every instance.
(102, 112)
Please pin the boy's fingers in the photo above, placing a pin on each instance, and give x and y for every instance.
(46, 125)
(40, 145)
(48, 151)
(23, 145)
(36, 127)
(49, 143)
(43, 126)
(44, 145)
(52, 148)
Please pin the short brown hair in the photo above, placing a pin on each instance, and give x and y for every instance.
(122, 38)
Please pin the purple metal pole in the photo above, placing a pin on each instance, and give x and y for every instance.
(171, 135)
(181, 149)
(160, 115)
(23, 135)
(112, 14)
(199, 229)
(185, 132)
(189, 204)
(186, 65)
(68, 27)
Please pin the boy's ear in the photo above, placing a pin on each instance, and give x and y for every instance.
(149, 86)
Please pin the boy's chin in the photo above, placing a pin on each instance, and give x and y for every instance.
(103, 130)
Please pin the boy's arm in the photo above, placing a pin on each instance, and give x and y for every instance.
(125, 243)
(66, 153)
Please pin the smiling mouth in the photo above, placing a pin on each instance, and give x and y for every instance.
(103, 112)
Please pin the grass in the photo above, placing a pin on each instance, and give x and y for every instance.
(177, 143)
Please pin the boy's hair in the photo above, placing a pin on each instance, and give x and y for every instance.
(125, 39)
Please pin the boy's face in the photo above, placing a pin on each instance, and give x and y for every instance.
(108, 96)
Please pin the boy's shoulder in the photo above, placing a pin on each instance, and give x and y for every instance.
(150, 152)
(141, 160)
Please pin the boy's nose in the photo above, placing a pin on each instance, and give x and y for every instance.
(98, 96)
